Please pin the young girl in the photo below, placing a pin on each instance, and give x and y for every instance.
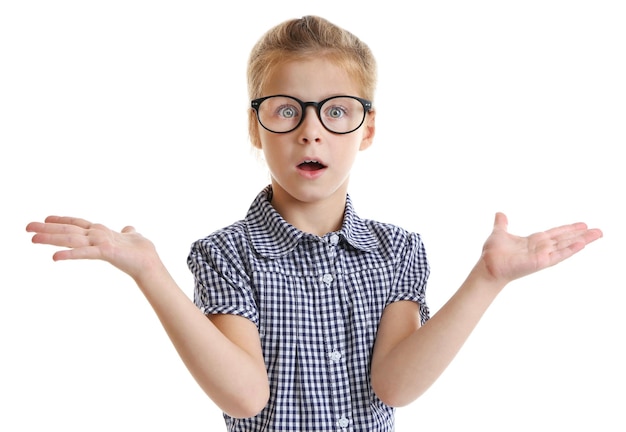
(306, 316)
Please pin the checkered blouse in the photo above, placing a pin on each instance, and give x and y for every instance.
(317, 302)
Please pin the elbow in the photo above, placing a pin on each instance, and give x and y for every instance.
(392, 393)
(386, 396)
(248, 403)
(383, 389)
(254, 405)
(393, 401)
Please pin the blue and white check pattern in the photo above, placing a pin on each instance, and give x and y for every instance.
(317, 302)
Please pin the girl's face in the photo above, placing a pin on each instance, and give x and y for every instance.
(311, 164)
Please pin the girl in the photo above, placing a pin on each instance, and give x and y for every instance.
(306, 316)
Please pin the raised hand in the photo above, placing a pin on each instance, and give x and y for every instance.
(508, 257)
(127, 250)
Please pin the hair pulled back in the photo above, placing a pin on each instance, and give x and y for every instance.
(309, 37)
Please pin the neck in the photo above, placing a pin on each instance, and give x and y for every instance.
(318, 217)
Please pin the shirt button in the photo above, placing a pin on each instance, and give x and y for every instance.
(335, 356)
(343, 422)
(328, 278)
(334, 239)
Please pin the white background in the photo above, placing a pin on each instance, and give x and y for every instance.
(134, 113)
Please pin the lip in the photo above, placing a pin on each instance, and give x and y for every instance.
(311, 174)
(311, 159)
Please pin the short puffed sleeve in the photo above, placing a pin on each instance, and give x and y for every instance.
(222, 285)
(411, 271)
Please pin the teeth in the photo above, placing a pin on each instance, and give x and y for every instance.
(311, 161)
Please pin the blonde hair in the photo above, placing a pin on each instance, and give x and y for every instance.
(303, 38)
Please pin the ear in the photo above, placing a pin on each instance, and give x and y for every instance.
(369, 130)
(253, 129)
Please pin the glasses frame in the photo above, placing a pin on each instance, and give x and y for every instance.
(256, 103)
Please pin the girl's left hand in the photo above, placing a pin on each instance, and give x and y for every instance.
(508, 257)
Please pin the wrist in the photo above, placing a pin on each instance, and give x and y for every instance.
(150, 270)
(484, 276)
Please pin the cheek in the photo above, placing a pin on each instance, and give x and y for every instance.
(352, 148)
(274, 152)
(347, 155)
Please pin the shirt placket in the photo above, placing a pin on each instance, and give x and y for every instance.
(335, 339)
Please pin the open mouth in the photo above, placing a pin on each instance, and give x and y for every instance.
(311, 165)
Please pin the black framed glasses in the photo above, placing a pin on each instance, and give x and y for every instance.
(338, 114)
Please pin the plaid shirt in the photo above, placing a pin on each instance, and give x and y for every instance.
(317, 302)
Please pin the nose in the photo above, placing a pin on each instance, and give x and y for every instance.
(311, 128)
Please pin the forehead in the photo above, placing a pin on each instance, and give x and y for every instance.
(311, 79)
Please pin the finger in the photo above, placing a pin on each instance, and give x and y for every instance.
(583, 237)
(54, 228)
(559, 255)
(574, 233)
(567, 229)
(67, 220)
(501, 222)
(593, 235)
(33, 226)
(566, 246)
(89, 252)
(63, 240)
(565, 236)
(128, 229)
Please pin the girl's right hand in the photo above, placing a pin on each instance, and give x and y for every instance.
(127, 250)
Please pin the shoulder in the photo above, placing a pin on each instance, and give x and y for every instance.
(392, 237)
(232, 237)
(376, 236)
(230, 244)
(223, 258)
(386, 229)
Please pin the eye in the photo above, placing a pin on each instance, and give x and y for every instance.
(335, 112)
(287, 111)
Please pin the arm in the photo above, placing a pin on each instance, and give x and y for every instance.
(408, 359)
(223, 353)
